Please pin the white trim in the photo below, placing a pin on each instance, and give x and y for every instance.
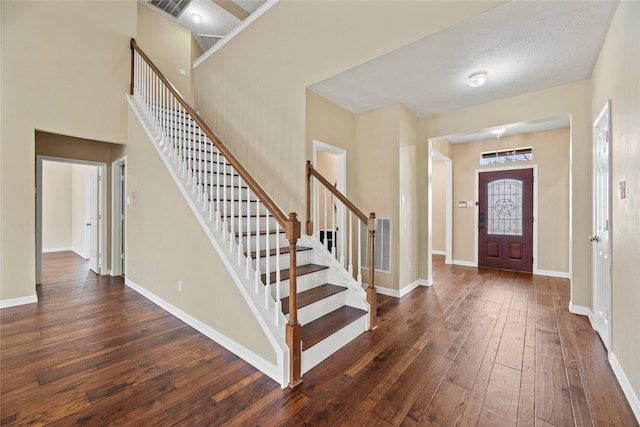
(49, 250)
(237, 30)
(13, 302)
(464, 263)
(115, 223)
(627, 388)
(434, 252)
(405, 290)
(561, 274)
(239, 350)
(579, 309)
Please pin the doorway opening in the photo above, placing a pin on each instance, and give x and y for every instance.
(70, 210)
(331, 162)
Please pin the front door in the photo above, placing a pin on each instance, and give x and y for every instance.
(601, 224)
(505, 219)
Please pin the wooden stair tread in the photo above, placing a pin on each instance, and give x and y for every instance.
(272, 252)
(313, 295)
(301, 270)
(319, 329)
(262, 232)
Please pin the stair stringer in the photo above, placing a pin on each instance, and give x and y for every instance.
(264, 309)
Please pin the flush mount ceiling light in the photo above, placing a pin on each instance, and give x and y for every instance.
(477, 79)
(196, 18)
(498, 132)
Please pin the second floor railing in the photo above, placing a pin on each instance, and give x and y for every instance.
(339, 225)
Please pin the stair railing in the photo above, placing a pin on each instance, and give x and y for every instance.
(222, 185)
(327, 208)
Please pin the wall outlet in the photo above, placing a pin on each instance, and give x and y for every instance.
(179, 285)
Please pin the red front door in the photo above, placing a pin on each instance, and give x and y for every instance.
(505, 220)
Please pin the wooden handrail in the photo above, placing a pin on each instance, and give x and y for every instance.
(246, 176)
(371, 226)
(311, 171)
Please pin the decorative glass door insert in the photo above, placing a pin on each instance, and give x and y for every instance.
(505, 207)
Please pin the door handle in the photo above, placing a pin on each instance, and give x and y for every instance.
(594, 239)
(88, 224)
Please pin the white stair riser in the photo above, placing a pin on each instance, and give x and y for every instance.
(304, 283)
(320, 308)
(252, 222)
(253, 208)
(302, 258)
(325, 348)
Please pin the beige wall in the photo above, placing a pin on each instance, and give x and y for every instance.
(615, 77)
(56, 206)
(65, 68)
(439, 193)
(551, 156)
(574, 99)
(165, 244)
(254, 87)
(169, 46)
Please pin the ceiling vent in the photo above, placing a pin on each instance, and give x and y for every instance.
(172, 7)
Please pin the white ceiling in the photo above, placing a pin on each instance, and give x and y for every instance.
(524, 46)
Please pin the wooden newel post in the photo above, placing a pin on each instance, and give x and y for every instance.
(309, 228)
(293, 328)
(372, 297)
(131, 44)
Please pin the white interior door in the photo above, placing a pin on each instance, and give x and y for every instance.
(92, 225)
(601, 226)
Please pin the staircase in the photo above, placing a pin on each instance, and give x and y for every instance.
(295, 287)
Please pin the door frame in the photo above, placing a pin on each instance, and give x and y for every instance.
(341, 180)
(435, 155)
(593, 315)
(535, 209)
(102, 203)
(118, 201)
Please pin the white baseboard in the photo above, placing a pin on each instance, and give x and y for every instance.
(551, 273)
(579, 309)
(49, 250)
(434, 252)
(13, 302)
(463, 263)
(244, 353)
(404, 291)
(631, 395)
(79, 253)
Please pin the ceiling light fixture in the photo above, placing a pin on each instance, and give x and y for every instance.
(477, 79)
(498, 132)
(196, 18)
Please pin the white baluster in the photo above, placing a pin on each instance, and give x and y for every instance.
(278, 309)
(360, 254)
(333, 226)
(224, 200)
(199, 166)
(248, 230)
(257, 276)
(267, 293)
(325, 228)
(233, 209)
(207, 175)
(343, 236)
(218, 190)
(350, 245)
(240, 246)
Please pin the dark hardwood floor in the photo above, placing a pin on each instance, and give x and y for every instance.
(480, 347)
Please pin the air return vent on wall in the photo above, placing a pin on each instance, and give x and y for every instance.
(172, 7)
(383, 245)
